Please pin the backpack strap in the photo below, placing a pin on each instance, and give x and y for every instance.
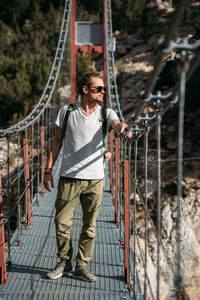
(104, 124)
(71, 107)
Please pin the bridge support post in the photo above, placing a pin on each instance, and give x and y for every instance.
(73, 52)
(27, 183)
(105, 16)
(3, 275)
(42, 153)
(111, 162)
(126, 221)
(116, 180)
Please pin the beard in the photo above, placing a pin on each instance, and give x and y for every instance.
(99, 100)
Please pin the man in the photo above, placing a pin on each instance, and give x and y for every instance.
(81, 174)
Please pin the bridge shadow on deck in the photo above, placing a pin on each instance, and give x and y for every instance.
(37, 255)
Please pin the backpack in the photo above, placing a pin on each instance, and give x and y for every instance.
(71, 107)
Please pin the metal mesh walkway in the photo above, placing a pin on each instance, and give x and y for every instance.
(37, 255)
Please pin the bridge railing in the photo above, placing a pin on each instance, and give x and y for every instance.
(139, 216)
(26, 147)
(138, 220)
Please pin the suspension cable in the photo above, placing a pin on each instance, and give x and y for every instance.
(113, 97)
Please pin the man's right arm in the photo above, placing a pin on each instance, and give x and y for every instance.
(53, 155)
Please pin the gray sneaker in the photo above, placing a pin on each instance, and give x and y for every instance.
(60, 269)
(83, 273)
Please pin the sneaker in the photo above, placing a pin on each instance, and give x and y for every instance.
(60, 269)
(83, 273)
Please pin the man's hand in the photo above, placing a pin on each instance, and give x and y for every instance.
(107, 155)
(53, 154)
(48, 178)
(120, 127)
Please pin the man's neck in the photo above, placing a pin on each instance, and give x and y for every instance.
(88, 107)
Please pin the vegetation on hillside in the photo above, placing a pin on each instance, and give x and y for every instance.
(28, 37)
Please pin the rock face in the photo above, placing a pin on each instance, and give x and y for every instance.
(3, 156)
(189, 248)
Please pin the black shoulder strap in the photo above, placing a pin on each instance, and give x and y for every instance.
(104, 125)
(71, 107)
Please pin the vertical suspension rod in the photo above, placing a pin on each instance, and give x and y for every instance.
(116, 180)
(130, 216)
(73, 52)
(42, 153)
(8, 194)
(180, 177)
(18, 190)
(3, 275)
(134, 205)
(111, 162)
(27, 183)
(146, 200)
(25, 174)
(126, 222)
(38, 159)
(158, 121)
(120, 185)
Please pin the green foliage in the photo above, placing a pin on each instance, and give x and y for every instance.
(7, 38)
(28, 38)
(120, 67)
(84, 63)
(22, 82)
(89, 10)
(128, 15)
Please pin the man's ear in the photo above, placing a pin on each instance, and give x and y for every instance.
(85, 89)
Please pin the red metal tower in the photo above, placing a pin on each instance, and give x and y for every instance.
(93, 43)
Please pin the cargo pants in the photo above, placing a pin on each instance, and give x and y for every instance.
(89, 192)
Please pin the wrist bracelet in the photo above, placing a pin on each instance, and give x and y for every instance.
(48, 169)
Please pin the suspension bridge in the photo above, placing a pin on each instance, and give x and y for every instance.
(121, 257)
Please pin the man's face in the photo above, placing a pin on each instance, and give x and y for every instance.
(95, 91)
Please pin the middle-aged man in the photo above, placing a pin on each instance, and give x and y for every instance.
(81, 173)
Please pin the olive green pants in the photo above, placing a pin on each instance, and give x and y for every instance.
(69, 192)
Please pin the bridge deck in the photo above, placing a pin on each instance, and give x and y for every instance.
(37, 255)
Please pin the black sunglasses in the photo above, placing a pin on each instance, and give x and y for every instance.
(98, 88)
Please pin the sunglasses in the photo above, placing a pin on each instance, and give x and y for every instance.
(98, 88)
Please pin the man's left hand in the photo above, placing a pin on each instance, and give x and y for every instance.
(120, 127)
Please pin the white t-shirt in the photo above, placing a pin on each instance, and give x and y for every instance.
(83, 144)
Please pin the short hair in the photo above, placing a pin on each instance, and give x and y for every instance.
(86, 79)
